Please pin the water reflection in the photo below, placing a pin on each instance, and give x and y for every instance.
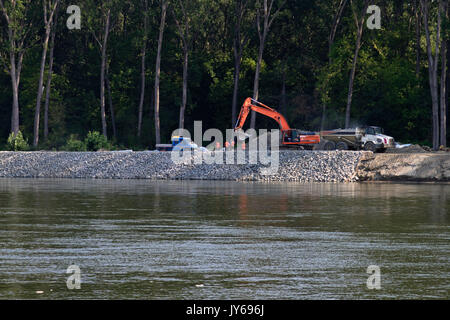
(144, 239)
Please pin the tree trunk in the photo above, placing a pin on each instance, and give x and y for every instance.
(143, 54)
(359, 28)
(102, 75)
(185, 78)
(334, 26)
(15, 109)
(14, 84)
(435, 112)
(432, 69)
(158, 72)
(237, 70)
(16, 70)
(40, 87)
(49, 80)
(443, 111)
(256, 81)
(257, 72)
(447, 85)
(443, 93)
(111, 106)
(142, 96)
(352, 80)
(16, 53)
(183, 30)
(238, 46)
(331, 37)
(268, 19)
(417, 14)
(283, 104)
(15, 90)
(48, 24)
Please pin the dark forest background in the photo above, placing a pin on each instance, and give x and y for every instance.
(305, 70)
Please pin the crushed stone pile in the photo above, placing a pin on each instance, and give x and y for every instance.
(300, 166)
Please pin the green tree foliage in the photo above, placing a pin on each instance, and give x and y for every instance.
(297, 57)
(73, 144)
(95, 141)
(16, 142)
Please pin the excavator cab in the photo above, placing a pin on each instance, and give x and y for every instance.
(295, 136)
(291, 136)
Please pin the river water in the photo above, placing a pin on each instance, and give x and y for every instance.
(138, 239)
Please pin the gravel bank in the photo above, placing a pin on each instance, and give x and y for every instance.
(405, 167)
(301, 166)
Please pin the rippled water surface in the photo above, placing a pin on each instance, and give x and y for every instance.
(138, 239)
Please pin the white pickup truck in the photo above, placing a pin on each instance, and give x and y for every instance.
(367, 138)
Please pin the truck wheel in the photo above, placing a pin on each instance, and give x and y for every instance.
(370, 146)
(330, 145)
(341, 146)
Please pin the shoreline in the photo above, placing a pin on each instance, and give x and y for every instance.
(405, 167)
(294, 166)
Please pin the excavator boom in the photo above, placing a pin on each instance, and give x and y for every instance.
(250, 104)
(290, 137)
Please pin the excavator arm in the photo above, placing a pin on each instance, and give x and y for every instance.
(250, 104)
(289, 136)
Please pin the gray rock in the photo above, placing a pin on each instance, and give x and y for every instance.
(300, 166)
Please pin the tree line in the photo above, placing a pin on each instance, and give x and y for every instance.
(136, 70)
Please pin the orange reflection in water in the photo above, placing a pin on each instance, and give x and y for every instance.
(278, 204)
(243, 207)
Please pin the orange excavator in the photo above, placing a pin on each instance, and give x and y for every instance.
(291, 138)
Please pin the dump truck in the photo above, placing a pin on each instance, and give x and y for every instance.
(369, 138)
(290, 138)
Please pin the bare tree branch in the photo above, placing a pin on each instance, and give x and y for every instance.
(5, 13)
(275, 14)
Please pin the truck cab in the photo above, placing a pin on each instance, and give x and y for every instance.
(374, 139)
